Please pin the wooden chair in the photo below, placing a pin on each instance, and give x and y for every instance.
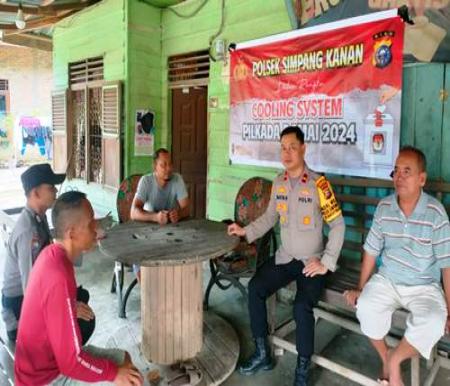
(228, 270)
(125, 196)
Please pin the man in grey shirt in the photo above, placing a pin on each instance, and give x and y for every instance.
(29, 237)
(161, 196)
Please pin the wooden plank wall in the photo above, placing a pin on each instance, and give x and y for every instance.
(244, 20)
(422, 110)
(137, 40)
(96, 31)
(144, 73)
(99, 30)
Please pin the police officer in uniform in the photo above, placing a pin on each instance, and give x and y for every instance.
(301, 201)
(30, 235)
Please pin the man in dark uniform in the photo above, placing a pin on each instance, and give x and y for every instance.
(29, 236)
(301, 201)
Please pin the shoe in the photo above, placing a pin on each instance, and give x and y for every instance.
(302, 371)
(260, 360)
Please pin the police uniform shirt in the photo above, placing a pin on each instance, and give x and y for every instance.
(29, 236)
(301, 210)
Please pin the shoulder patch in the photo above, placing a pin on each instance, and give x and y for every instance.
(328, 203)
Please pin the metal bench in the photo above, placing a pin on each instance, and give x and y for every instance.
(358, 198)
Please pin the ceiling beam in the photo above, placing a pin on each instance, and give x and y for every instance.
(70, 6)
(35, 24)
(49, 10)
(8, 27)
(26, 10)
(28, 40)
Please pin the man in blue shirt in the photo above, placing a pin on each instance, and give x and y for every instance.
(411, 234)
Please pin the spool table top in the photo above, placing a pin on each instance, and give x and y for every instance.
(149, 244)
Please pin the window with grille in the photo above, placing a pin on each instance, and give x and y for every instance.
(85, 71)
(189, 69)
(89, 117)
(4, 97)
(4, 85)
(86, 82)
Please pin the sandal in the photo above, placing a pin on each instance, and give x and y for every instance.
(383, 381)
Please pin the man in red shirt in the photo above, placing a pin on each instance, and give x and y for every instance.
(49, 342)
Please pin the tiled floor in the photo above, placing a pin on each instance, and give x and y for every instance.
(347, 348)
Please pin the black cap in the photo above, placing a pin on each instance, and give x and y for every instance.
(40, 174)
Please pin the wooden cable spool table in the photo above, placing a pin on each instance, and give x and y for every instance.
(171, 259)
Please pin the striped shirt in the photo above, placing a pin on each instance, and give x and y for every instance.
(413, 249)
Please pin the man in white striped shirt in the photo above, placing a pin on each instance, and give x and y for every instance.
(410, 234)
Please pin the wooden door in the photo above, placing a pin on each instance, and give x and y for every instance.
(189, 143)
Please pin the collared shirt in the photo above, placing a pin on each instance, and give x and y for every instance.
(300, 213)
(157, 198)
(29, 236)
(413, 249)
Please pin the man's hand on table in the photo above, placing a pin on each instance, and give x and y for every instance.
(162, 217)
(128, 374)
(174, 215)
(84, 312)
(235, 229)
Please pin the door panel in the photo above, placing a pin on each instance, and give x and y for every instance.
(189, 144)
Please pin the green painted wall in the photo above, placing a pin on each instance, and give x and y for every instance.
(244, 20)
(422, 115)
(136, 40)
(128, 36)
(423, 124)
(97, 31)
(144, 77)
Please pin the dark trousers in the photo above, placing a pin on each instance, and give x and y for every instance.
(14, 304)
(270, 278)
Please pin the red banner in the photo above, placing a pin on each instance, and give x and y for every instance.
(341, 83)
